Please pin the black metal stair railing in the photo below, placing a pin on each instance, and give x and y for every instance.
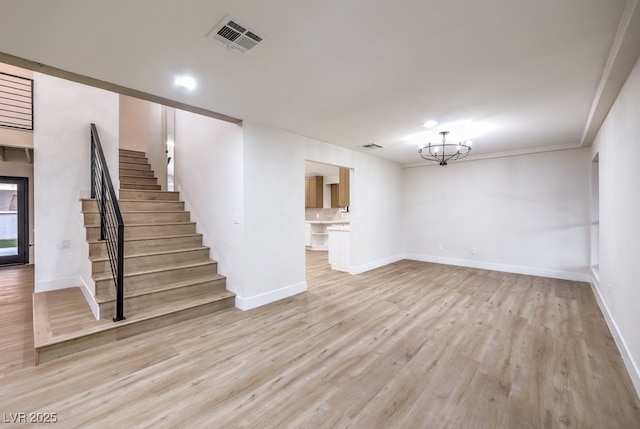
(111, 223)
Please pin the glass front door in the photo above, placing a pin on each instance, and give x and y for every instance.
(14, 244)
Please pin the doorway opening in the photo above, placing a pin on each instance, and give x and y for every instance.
(14, 220)
(327, 218)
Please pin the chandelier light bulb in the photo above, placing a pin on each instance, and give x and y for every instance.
(432, 152)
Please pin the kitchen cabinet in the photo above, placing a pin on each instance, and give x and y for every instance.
(307, 235)
(317, 237)
(313, 187)
(338, 246)
(340, 191)
(335, 201)
(343, 188)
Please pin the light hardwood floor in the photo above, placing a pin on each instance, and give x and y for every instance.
(410, 345)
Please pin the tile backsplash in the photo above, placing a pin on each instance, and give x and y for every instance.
(325, 214)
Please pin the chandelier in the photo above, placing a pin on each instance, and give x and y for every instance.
(444, 152)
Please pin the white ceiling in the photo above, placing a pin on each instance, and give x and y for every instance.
(359, 71)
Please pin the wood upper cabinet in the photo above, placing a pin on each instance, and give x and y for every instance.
(343, 189)
(335, 193)
(313, 192)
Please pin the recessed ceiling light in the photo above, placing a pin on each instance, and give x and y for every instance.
(186, 82)
(430, 123)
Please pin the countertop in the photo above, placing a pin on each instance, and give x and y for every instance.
(341, 228)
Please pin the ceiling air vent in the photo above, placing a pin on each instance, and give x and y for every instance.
(372, 146)
(234, 35)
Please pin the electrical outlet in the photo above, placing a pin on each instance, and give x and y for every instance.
(64, 244)
(440, 246)
(473, 250)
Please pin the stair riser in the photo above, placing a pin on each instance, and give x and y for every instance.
(132, 153)
(93, 232)
(137, 173)
(128, 194)
(133, 160)
(134, 166)
(148, 301)
(159, 217)
(138, 180)
(133, 206)
(163, 278)
(138, 246)
(140, 262)
(138, 186)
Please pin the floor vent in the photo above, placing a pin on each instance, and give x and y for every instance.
(234, 35)
(372, 146)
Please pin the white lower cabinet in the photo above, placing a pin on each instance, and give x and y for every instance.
(316, 234)
(307, 235)
(339, 247)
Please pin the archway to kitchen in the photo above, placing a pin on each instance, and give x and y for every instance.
(327, 220)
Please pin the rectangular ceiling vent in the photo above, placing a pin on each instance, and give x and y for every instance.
(234, 35)
(372, 146)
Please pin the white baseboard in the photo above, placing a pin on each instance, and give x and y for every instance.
(91, 300)
(269, 297)
(359, 269)
(627, 357)
(69, 282)
(61, 283)
(516, 269)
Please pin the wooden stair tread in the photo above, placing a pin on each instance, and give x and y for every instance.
(151, 253)
(154, 289)
(150, 212)
(127, 200)
(153, 237)
(147, 224)
(131, 151)
(41, 328)
(152, 191)
(135, 317)
(150, 270)
(125, 158)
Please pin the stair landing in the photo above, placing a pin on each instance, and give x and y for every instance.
(63, 323)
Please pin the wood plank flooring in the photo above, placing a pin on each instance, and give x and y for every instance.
(16, 318)
(409, 345)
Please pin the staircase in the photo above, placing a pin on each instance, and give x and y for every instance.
(168, 275)
(167, 270)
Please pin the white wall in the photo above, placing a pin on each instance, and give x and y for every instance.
(208, 173)
(273, 215)
(618, 288)
(527, 214)
(141, 130)
(376, 213)
(64, 112)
